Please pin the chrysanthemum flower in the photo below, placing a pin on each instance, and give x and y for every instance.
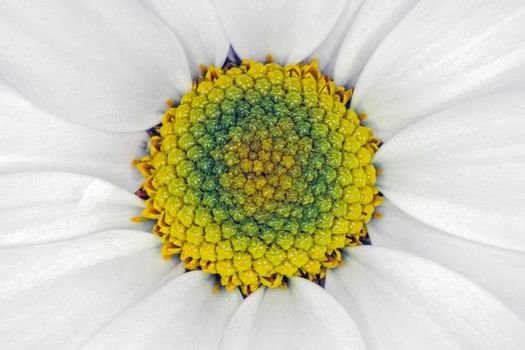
(249, 223)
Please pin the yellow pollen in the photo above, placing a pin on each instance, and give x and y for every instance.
(260, 173)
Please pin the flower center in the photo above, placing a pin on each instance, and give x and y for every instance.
(261, 173)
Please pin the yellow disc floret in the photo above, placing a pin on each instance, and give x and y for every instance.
(261, 173)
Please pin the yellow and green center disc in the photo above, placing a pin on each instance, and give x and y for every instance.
(261, 173)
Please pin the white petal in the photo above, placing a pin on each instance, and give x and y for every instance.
(63, 312)
(196, 25)
(400, 301)
(24, 267)
(111, 65)
(327, 52)
(500, 271)
(40, 207)
(303, 316)
(184, 314)
(462, 171)
(288, 30)
(372, 23)
(440, 54)
(30, 139)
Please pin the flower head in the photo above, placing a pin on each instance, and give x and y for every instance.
(262, 173)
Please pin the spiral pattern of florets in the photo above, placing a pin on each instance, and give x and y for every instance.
(261, 173)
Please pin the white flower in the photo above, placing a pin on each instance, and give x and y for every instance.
(442, 84)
